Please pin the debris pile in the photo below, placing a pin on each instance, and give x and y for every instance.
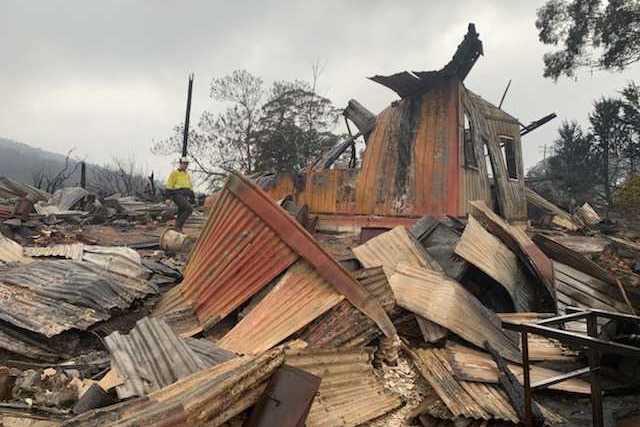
(405, 329)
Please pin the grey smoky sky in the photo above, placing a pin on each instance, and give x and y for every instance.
(108, 77)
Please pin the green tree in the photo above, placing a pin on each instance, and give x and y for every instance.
(590, 33)
(574, 161)
(631, 118)
(611, 138)
(259, 130)
(296, 127)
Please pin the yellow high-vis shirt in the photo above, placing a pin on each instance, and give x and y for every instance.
(179, 179)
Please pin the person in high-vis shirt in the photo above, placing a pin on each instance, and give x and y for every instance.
(180, 189)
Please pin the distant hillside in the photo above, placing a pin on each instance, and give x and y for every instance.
(21, 161)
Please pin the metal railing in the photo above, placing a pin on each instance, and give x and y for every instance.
(550, 328)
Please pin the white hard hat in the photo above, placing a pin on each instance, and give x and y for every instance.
(184, 160)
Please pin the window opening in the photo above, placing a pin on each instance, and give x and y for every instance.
(508, 147)
(470, 158)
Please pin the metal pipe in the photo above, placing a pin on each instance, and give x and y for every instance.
(528, 412)
(594, 374)
(185, 134)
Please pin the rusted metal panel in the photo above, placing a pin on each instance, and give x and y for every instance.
(389, 249)
(482, 249)
(247, 242)
(392, 248)
(150, 357)
(286, 400)
(578, 289)
(26, 309)
(465, 398)
(445, 302)
(518, 241)
(299, 297)
(174, 309)
(236, 255)
(79, 283)
(472, 365)
(53, 296)
(349, 393)
(344, 325)
(209, 397)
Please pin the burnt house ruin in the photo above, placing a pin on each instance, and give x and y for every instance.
(431, 152)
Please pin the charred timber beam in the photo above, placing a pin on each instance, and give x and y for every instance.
(536, 124)
(520, 397)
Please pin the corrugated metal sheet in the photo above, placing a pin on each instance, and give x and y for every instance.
(445, 302)
(27, 309)
(349, 394)
(117, 259)
(11, 251)
(174, 309)
(298, 297)
(472, 365)
(462, 398)
(394, 247)
(150, 357)
(52, 296)
(5, 212)
(518, 241)
(346, 326)
(72, 251)
(482, 249)
(209, 352)
(209, 397)
(248, 241)
(78, 283)
(578, 289)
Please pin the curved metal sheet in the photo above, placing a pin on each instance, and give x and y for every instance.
(247, 242)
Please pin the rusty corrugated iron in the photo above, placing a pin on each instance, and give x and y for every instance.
(247, 242)
(299, 296)
(447, 303)
(344, 325)
(519, 242)
(150, 357)
(349, 394)
(174, 309)
(50, 297)
(466, 398)
(209, 397)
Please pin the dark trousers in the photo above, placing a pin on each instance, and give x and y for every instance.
(184, 210)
